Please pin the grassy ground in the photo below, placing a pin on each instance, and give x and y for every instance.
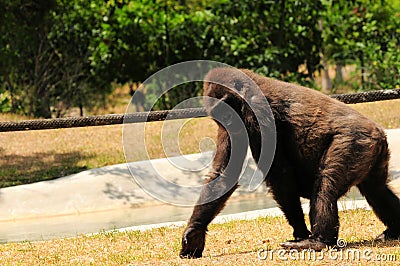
(385, 113)
(231, 243)
(31, 156)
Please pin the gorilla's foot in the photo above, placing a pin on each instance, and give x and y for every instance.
(193, 241)
(305, 244)
(388, 235)
(296, 239)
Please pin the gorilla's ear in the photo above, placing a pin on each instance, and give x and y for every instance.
(207, 87)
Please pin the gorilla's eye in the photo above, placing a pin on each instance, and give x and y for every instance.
(238, 85)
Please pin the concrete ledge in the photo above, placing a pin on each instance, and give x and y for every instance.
(250, 215)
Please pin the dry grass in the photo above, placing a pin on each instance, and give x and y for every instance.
(385, 113)
(232, 243)
(39, 155)
(32, 156)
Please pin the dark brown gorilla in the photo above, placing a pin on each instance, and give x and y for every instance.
(323, 148)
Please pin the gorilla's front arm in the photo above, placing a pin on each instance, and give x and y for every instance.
(218, 187)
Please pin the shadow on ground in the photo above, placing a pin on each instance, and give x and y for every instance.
(18, 169)
(374, 244)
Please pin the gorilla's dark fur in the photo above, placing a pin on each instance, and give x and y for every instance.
(323, 148)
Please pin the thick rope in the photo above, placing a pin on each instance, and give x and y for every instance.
(370, 96)
(113, 119)
(101, 120)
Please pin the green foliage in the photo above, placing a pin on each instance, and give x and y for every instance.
(273, 37)
(23, 52)
(384, 67)
(5, 105)
(363, 32)
(381, 57)
(45, 65)
(75, 25)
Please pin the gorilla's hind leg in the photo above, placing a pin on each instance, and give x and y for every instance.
(380, 197)
(385, 204)
(332, 181)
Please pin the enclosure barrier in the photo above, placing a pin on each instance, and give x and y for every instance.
(138, 117)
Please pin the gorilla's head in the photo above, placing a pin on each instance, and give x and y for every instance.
(231, 98)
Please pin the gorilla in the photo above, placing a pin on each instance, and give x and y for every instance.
(322, 149)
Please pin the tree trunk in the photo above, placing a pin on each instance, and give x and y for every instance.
(13, 98)
(42, 104)
(80, 109)
(326, 80)
(362, 71)
(339, 73)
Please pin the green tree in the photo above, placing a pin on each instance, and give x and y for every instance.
(140, 38)
(79, 82)
(45, 50)
(355, 32)
(24, 53)
(273, 37)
